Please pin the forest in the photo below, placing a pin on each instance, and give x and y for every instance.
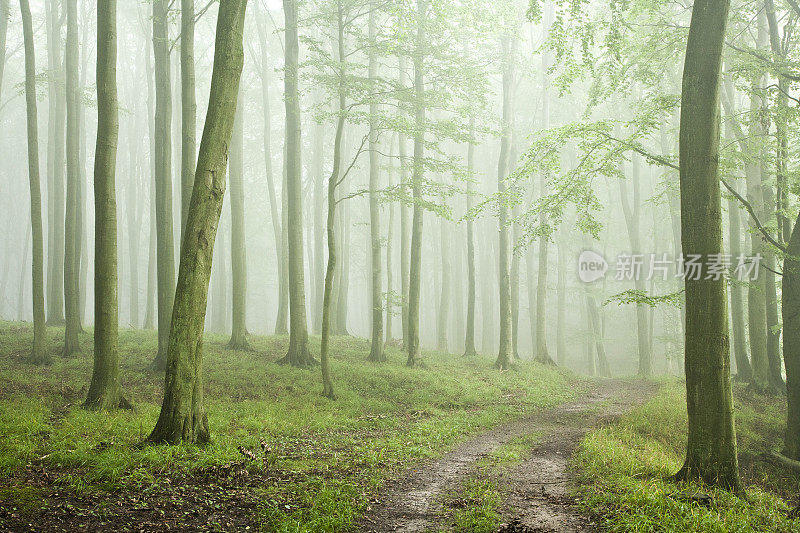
(505, 266)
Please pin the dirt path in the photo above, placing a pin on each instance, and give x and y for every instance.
(538, 497)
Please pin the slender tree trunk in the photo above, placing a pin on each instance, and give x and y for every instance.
(541, 353)
(183, 417)
(104, 390)
(376, 353)
(39, 354)
(444, 298)
(561, 300)
(150, 307)
(282, 319)
(165, 270)
(133, 224)
(711, 449)
(469, 339)
(389, 256)
(274, 208)
(298, 354)
(188, 107)
(55, 167)
(404, 218)
(21, 294)
(505, 356)
(318, 229)
(238, 251)
(743, 370)
(415, 265)
(72, 309)
(632, 221)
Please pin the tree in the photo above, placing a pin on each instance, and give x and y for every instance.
(55, 167)
(505, 354)
(298, 354)
(469, 335)
(376, 353)
(183, 417)
(238, 252)
(415, 264)
(711, 448)
(188, 107)
(165, 262)
(39, 354)
(104, 390)
(72, 310)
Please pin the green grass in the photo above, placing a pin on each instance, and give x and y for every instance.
(624, 470)
(332, 456)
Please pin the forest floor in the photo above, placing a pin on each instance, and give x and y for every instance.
(322, 464)
(512, 478)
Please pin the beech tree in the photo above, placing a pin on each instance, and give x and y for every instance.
(183, 417)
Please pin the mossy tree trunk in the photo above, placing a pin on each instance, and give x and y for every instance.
(183, 417)
(188, 108)
(790, 313)
(39, 354)
(104, 390)
(711, 449)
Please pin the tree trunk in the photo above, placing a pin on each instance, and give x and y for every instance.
(632, 221)
(72, 309)
(404, 233)
(415, 265)
(376, 353)
(505, 356)
(469, 339)
(711, 450)
(183, 417)
(131, 211)
(274, 208)
(150, 307)
(444, 295)
(39, 354)
(389, 256)
(561, 301)
(55, 167)
(790, 312)
(165, 270)
(188, 108)
(238, 251)
(104, 390)
(298, 354)
(318, 229)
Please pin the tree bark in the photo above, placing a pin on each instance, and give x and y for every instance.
(150, 305)
(55, 167)
(505, 356)
(188, 108)
(404, 222)
(104, 391)
(469, 338)
(415, 265)
(376, 353)
(298, 354)
(711, 450)
(39, 354)
(165, 271)
(238, 250)
(790, 313)
(72, 309)
(183, 417)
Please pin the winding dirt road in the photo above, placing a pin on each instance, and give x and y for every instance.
(537, 489)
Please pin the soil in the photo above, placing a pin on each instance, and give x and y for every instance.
(537, 489)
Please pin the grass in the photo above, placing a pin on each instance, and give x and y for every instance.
(624, 470)
(327, 458)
